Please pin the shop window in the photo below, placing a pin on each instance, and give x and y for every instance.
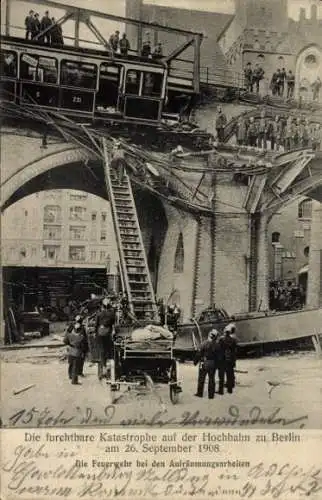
(38, 68)
(276, 237)
(179, 256)
(305, 209)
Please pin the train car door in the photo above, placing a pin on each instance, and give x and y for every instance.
(143, 94)
(109, 85)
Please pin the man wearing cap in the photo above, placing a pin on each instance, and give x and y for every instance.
(118, 163)
(227, 358)
(207, 358)
(105, 320)
(77, 345)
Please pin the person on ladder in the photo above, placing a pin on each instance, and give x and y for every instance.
(105, 321)
(118, 163)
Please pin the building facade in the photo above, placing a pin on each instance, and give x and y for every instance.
(289, 242)
(59, 228)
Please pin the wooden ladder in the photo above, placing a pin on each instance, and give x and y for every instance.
(134, 269)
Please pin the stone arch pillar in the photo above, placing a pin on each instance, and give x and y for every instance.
(314, 297)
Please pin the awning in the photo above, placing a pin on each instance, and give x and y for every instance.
(304, 269)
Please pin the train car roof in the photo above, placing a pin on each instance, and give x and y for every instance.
(82, 51)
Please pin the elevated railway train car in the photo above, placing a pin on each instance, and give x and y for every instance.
(92, 83)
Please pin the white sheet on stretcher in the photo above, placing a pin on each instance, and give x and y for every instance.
(151, 332)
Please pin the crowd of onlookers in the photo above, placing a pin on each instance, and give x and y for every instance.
(282, 83)
(281, 132)
(286, 296)
(53, 34)
(121, 45)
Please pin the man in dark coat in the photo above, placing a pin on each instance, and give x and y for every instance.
(77, 346)
(30, 24)
(44, 24)
(105, 321)
(208, 363)
(227, 359)
(221, 122)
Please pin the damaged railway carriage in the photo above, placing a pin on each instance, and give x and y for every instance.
(92, 83)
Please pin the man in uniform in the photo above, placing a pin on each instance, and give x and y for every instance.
(227, 358)
(208, 363)
(262, 131)
(221, 122)
(46, 23)
(252, 133)
(248, 73)
(30, 25)
(124, 45)
(76, 340)
(118, 163)
(290, 80)
(105, 321)
(115, 40)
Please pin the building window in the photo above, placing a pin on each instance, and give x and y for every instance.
(102, 256)
(94, 215)
(257, 45)
(306, 252)
(179, 256)
(93, 255)
(50, 252)
(77, 232)
(23, 253)
(276, 237)
(78, 197)
(52, 232)
(52, 213)
(305, 209)
(26, 213)
(103, 235)
(103, 216)
(77, 253)
(33, 252)
(77, 213)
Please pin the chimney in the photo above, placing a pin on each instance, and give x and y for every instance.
(314, 13)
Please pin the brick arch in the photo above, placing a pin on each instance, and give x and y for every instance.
(26, 173)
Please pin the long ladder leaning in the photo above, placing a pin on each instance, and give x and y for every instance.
(133, 262)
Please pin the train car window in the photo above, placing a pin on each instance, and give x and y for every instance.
(108, 88)
(132, 84)
(9, 63)
(78, 74)
(152, 84)
(38, 68)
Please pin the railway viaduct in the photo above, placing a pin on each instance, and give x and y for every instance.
(205, 213)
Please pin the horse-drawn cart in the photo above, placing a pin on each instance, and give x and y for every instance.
(141, 364)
